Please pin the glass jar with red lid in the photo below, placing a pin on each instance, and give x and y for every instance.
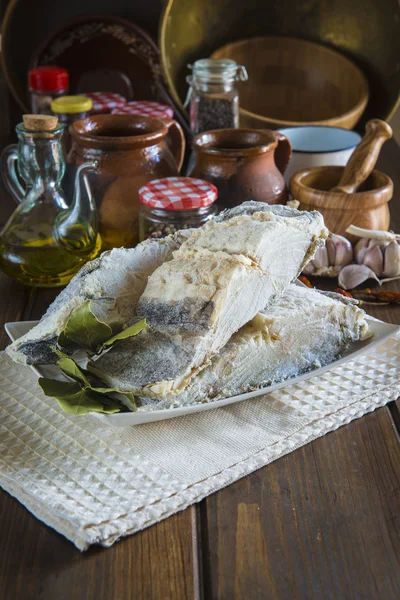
(173, 203)
(45, 84)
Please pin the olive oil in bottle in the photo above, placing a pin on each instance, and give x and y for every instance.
(46, 241)
(38, 260)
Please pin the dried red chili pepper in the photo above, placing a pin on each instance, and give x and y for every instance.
(385, 296)
(343, 292)
(305, 281)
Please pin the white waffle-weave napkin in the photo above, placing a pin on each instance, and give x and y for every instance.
(95, 484)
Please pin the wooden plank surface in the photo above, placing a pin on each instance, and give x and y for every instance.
(322, 522)
(37, 563)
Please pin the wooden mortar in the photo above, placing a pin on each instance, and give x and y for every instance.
(351, 195)
(367, 208)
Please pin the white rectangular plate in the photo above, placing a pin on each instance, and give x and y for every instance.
(380, 331)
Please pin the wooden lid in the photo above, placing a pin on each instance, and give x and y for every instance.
(40, 122)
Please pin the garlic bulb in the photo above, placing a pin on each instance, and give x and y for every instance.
(377, 254)
(331, 258)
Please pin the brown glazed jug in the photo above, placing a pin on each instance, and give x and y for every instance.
(244, 164)
(130, 151)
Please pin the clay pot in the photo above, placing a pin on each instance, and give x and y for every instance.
(367, 208)
(244, 164)
(130, 151)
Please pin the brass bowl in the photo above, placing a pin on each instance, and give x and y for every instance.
(368, 35)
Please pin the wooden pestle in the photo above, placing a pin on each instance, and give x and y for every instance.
(364, 157)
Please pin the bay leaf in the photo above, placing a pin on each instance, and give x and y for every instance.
(75, 400)
(85, 329)
(66, 343)
(70, 368)
(82, 395)
(127, 333)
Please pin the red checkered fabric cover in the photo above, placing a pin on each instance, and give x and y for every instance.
(178, 193)
(146, 108)
(105, 102)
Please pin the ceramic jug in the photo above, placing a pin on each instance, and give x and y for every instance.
(130, 150)
(244, 164)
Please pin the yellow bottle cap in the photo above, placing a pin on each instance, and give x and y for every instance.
(71, 104)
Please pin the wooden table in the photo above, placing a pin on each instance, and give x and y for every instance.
(322, 522)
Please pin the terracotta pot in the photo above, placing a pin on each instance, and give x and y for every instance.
(130, 151)
(244, 164)
(367, 208)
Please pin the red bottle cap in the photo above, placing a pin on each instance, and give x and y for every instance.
(48, 79)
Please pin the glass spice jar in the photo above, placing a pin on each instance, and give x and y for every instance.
(213, 95)
(45, 85)
(173, 203)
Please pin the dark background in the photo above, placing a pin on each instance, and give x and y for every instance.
(36, 16)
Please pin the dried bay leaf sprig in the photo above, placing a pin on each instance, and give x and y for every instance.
(84, 330)
(84, 393)
(75, 399)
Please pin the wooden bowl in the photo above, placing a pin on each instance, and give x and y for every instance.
(367, 208)
(294, 82)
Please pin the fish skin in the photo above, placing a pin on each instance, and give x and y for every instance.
(114, 282)
(218, 280)
(303, 329)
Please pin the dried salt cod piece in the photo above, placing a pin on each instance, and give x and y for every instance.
(302, 330)
(114, 282)
(217, 281)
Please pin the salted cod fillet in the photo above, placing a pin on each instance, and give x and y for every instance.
(114, 281)
(304, 329)
(218, 280)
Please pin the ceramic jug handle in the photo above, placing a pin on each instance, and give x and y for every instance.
(9, 158)
(283, 151)
(178, 143)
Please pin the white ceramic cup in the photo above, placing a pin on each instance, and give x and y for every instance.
(317, 146)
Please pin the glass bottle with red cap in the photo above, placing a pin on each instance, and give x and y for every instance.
(46, 84)
(173, 203)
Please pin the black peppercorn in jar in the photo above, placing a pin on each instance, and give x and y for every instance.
(173, 203)
(214, 98)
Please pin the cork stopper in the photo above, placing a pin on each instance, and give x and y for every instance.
(41, 124)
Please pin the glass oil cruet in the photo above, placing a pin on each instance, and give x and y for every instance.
(47, 239)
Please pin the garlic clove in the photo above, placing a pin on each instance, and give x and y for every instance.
(321, 258)
(360, 249)
(330, 244)
(363, 246)
(391, 261)
(373, 259)
(309, 269)
(344, 251)
(353, 275)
